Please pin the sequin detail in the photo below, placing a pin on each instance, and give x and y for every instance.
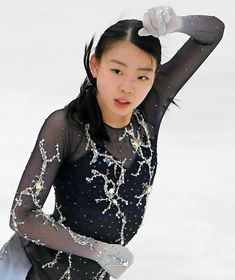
(112, 195)
(34, 191)
(100, 275)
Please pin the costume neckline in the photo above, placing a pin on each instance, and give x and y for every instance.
(117, 128)
(123, 127)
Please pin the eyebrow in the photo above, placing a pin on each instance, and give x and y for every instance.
(149, 69)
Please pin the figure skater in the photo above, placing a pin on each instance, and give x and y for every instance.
(100, 151)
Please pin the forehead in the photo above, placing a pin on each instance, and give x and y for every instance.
(130, 54)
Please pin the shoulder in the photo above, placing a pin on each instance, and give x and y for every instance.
(58, 129)
(56, 123)
(58, 120)
(57, 117)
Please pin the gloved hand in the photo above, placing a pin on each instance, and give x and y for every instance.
(115, 259)
(159, 21)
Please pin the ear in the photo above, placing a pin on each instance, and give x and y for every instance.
(94, 65)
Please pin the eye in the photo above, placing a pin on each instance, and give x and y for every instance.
(143, 78)
(117, 71)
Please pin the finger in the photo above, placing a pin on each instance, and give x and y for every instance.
(166, 16)
(171, 11)
(143, 32)
(115, 272)
(157, 20)
(152, 17)
(128, 257)
(160, 22)
(153, 29)
(146, 22)
(165, 11)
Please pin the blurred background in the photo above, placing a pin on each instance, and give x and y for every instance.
(189, 227)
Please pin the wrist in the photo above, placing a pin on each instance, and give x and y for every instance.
(99, 249)
(180, 24)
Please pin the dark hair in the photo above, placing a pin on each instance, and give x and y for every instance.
(85, 109)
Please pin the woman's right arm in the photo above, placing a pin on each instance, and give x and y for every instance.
(27, 216)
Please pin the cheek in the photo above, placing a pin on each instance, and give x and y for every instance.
(105, 83)
(143, 92)
(150, 85)
(146, 88)
(103, 87)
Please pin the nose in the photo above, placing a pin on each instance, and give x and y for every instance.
(127, 87)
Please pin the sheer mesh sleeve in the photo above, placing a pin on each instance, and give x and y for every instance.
(27, 217)
(205, 33)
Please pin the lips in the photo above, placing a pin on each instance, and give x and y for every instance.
(122, 102)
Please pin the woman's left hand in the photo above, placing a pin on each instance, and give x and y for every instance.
(159, 21)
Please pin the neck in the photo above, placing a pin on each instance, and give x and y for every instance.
(117, 123)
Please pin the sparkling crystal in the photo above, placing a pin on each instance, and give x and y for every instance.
(95, 152)
(136, 143)
(38, 186)
(108, 161)
(111, 191)
(115, 202)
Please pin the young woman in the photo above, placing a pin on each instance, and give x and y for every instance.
(100, 151)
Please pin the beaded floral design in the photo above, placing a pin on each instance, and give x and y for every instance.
(34, 191)
(112, 188)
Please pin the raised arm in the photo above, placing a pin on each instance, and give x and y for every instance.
(53, 145)
(205, 33)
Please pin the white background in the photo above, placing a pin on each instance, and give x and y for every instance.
(189, 228)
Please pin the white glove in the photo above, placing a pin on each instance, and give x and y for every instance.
(115, 259)
(159, 21)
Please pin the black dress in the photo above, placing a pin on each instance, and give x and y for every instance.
(101, 190)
